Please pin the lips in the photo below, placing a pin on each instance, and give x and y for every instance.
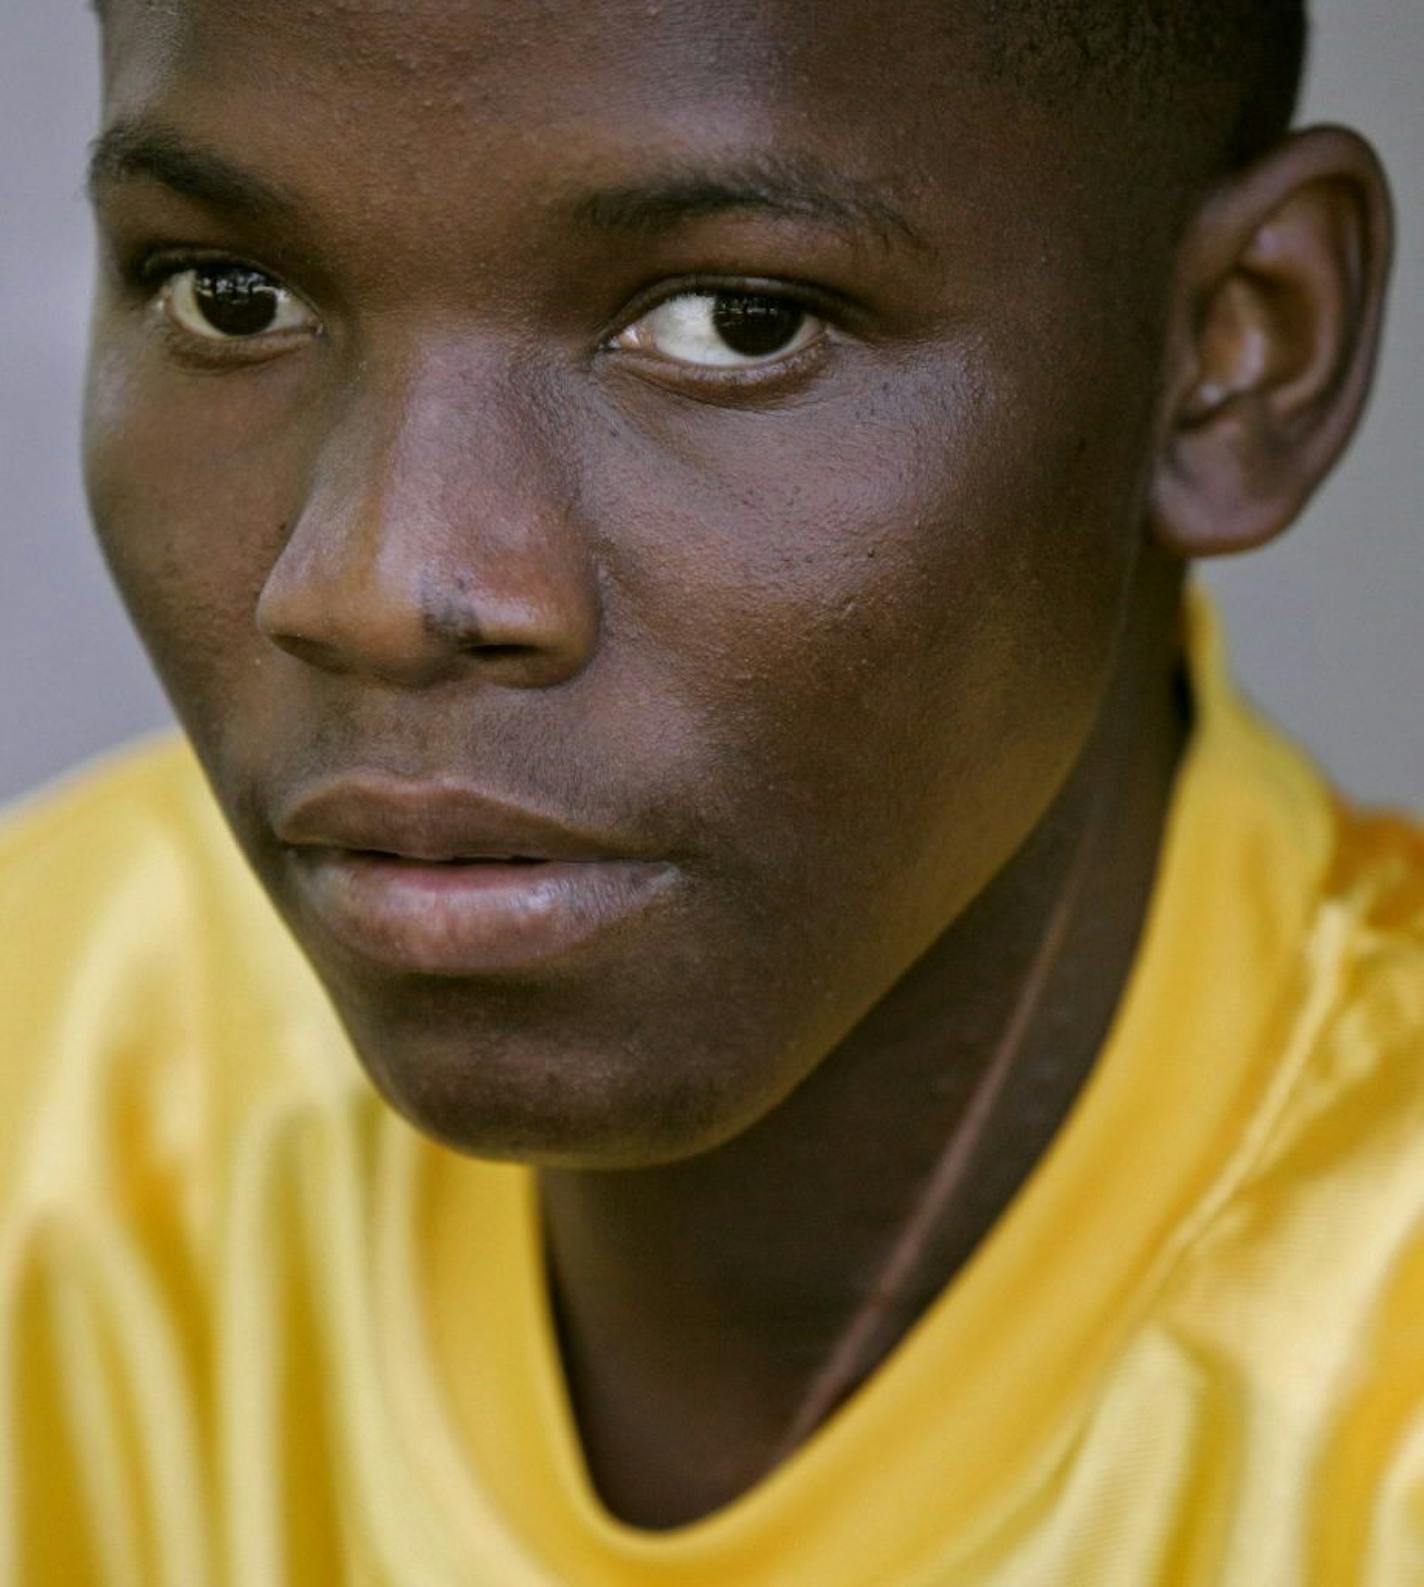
(439, 879)
(436, 823)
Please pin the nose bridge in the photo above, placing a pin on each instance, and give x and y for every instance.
(438, 531)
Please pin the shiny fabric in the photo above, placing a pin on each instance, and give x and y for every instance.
(256, 1331)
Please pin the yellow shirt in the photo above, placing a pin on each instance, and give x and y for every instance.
(255, 1330)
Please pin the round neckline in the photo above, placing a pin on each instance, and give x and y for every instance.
(947, 1434)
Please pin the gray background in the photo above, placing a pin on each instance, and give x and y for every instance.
(1325, 627)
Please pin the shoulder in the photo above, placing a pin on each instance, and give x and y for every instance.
(147, 794)
(1323, 1205)
(1368, 949)
(111, 849)
(1356, 1027)
(1368, 969)
(1378, 875)
(177, 1107)
(118, 860)
(146, 985)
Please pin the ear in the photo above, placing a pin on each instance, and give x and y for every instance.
(1275, 325)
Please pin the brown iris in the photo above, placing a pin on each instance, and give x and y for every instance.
(754, 326)
(234, 300)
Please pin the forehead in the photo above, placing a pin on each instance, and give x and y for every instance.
(489, 46)
(427, 87)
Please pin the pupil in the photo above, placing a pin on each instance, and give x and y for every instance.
(756, 326)
(236, 302)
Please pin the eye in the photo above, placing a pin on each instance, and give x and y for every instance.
(727, 329)
(231, 302)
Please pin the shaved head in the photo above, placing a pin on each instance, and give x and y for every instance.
(1224, 75)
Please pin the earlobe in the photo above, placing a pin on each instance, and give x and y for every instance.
(1274, 332)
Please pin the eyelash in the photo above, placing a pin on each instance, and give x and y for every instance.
(153, 270)
(826, 307)
(149, 273)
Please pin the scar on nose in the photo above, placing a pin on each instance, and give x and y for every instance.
(448, 614)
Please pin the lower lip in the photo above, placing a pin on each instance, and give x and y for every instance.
(473, 918)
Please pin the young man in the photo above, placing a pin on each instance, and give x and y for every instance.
(839, 1052)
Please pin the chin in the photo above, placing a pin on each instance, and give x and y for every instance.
(506, 1095)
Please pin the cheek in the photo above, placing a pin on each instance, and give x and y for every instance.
(893, 618)
(190, 480)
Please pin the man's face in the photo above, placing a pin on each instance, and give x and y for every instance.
(719, 427)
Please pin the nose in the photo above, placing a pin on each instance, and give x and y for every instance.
(436, 538)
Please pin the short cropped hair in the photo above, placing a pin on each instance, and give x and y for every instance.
(1221, 77)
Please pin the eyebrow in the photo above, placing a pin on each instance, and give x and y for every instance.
(771, 184)
(782, 186)
(130, 151)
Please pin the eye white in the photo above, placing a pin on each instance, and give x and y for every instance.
(253, 306)
(685, 330)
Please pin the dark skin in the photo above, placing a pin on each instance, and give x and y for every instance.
(871, 643)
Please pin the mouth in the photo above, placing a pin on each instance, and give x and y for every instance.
(468, 916)
(440, 880)
(455, 859)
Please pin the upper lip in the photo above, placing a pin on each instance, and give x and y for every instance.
(430, 821)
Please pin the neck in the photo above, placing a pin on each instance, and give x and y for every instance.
(750, 1291)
